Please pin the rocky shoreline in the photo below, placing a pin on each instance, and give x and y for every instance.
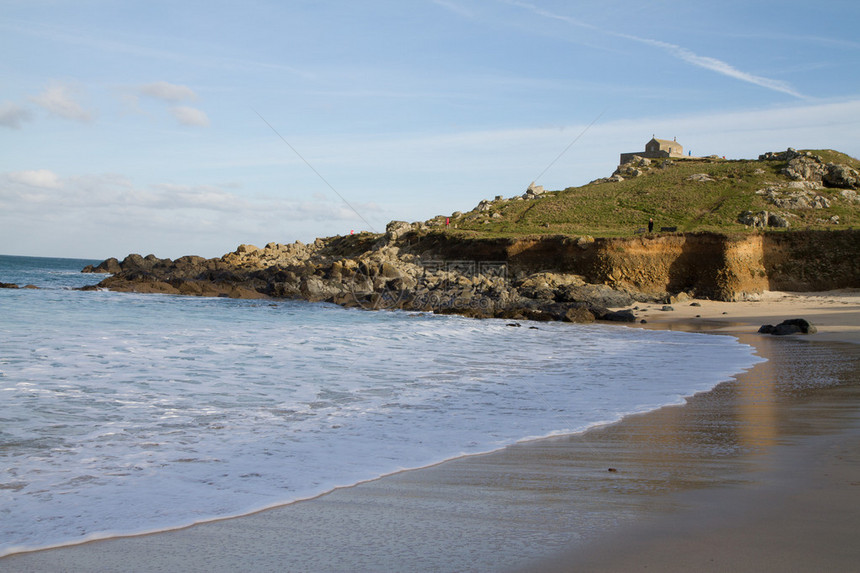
(574, 279)
(429, 266)
(374, 272)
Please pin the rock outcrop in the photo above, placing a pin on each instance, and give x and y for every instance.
(808, 167)
(422, 266)
(763, 219)
(539, 278)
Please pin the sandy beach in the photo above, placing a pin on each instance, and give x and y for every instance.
(760, 474)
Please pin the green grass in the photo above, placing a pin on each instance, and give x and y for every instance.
(831, 156)
(666, 195)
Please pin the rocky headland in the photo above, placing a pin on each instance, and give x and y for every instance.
(428, 266)
(576, 279)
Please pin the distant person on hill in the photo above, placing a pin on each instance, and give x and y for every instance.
(650, 225)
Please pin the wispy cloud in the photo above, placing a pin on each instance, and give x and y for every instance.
(679, 52)
(46, 192)
(104, 43)
(39, 178)
(59, 99)
(190, 116)
(458, 9)
(547, 14)
(13, 115)
(167, 91)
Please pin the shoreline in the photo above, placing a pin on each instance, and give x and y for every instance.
(800, 512)
(521, 442)
(465, 481)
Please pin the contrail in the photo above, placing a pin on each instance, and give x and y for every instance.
(676, 51)
(342, 198)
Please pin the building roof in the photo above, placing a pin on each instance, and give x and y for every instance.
(664, 142)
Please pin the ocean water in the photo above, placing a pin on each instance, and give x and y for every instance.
(125, 413)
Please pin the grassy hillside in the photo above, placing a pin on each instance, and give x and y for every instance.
(670, 196)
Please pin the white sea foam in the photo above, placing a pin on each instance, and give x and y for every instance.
(127, 413)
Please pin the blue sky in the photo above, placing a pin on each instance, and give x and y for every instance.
(145, 126)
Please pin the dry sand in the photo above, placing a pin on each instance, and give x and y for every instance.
(760, 474)
(835, 313)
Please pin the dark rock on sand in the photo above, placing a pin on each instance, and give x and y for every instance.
(619, 316)
(804, 325)
(783, 329)
(578, 315)
(790, 326)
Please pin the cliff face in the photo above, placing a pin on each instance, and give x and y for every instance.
(542, 278)
(429, 266)
(712, 265)
(812, 260)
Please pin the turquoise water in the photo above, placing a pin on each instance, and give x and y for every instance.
(124, 413)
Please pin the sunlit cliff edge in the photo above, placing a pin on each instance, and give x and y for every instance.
(726, 230)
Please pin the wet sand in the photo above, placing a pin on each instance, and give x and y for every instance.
(760, 474)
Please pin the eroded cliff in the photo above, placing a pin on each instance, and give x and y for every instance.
(548, 277)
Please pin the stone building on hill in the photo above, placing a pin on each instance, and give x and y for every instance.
(656, 149)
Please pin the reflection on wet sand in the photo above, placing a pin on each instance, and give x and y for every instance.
(757, 408)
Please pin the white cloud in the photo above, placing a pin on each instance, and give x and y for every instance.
(167, 218)
(58, 99)
(42, 178)
(190, 116)
(13, 115)
(37, 190)
(411, 177)
(167, 91)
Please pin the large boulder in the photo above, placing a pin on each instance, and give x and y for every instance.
(598, 295)
(804, 325)
(790, 326)
(799, 195)
(316, 289)
(751, 219)
(247, 249)
(841, 176)
(805, 168)
(619, 316)
(108, 266)
(700, 178)
(774, 220)
(579, 315)
(396, 229)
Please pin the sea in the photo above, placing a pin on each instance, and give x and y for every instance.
(125, 413)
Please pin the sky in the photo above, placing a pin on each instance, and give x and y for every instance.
(176, 128)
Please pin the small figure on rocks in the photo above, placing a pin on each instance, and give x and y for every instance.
(650, 225)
